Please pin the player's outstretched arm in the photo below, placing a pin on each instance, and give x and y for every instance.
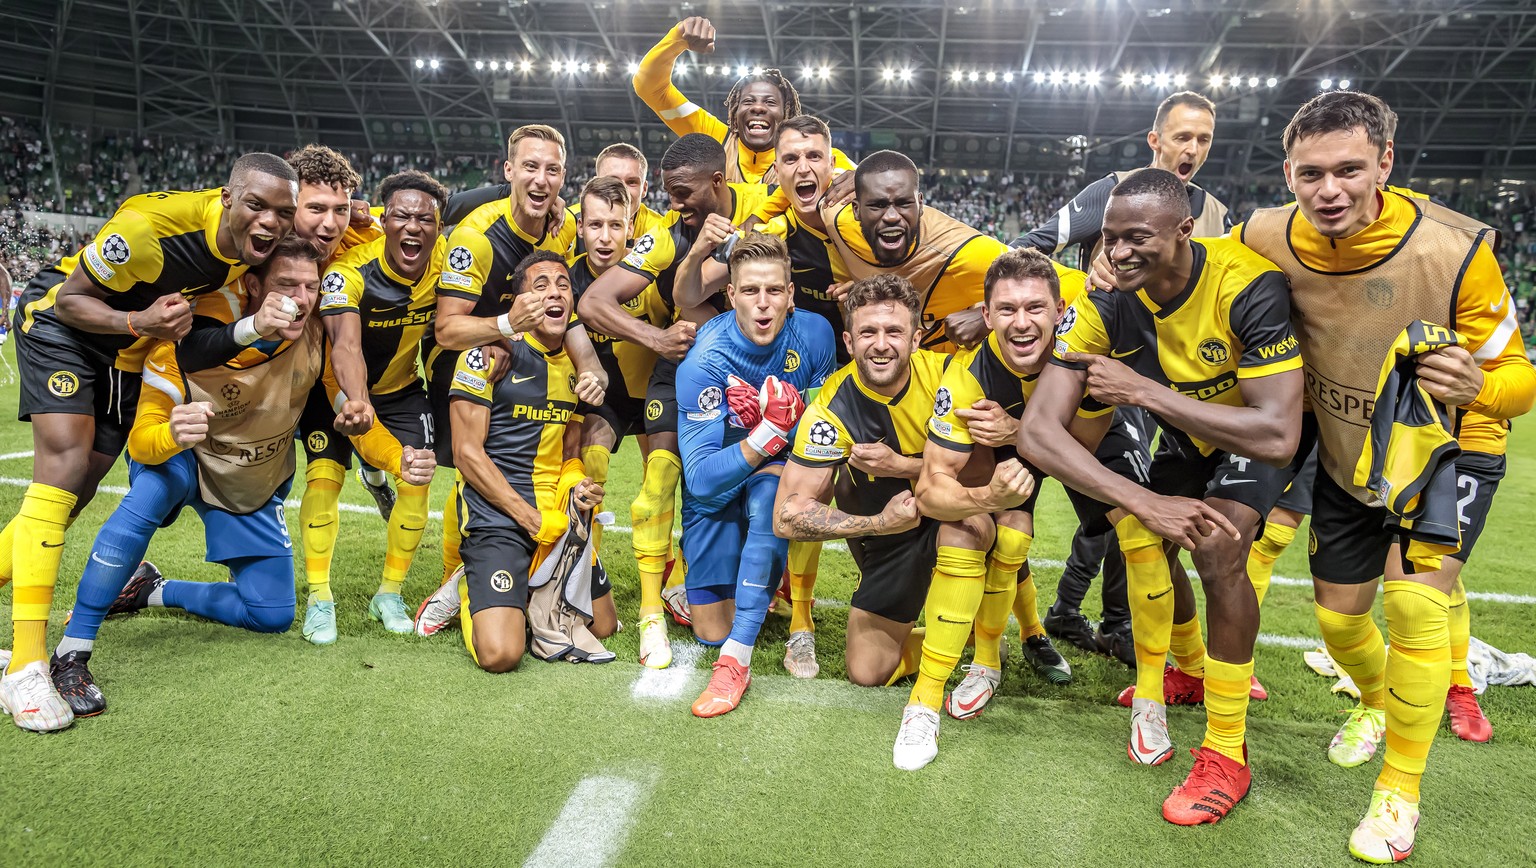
(699, 276)
(458, 328)
(345, 333)
(591, 377)
(653, 80)
(602, 305)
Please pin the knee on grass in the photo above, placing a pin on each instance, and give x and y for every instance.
(269, 619)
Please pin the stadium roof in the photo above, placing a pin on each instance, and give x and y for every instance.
(1021, 84)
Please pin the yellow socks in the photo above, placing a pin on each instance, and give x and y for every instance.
(1149, 591)
(7, 548)
(911, 656)
(595, 459)
(1261, 557)
(1000, 592)
(467, 620)
(1188, 647)
(39, 547)
(804, 560)
(1461, 635)
(1226, 706)
(1355, 645)
(453, 532)
(956, 591)
(651, 515)
(319, 524)
(406, 523)
(1418, 676)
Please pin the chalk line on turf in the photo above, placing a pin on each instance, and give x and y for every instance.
(592, 827)
(670, 683)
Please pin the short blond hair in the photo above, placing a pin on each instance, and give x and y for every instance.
(535, 131)
(756, 247)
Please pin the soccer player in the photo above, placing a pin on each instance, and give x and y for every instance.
(476, 305)
(1363, 264)
(517, 468)
(974, 484)
(756, 105)
(739, 395)
(693, 173)
(220, 441)
(78, 347)
(1198, 334)
(870, 417)
(380, 296)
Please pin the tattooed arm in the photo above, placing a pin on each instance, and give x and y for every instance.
(801, 511)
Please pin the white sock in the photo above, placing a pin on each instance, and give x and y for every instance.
(374, 477)
(70, 643)
(157, 596)
(735, 650)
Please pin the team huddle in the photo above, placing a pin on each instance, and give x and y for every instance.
(807, 352)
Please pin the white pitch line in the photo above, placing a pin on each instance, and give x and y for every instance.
(1305, 642)
(592, 827)
(670, 683)
(10, 456)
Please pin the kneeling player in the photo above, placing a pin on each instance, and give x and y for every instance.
(973, 482)
(732, 446)
(870, 417)
(511, 440)
(220, 441)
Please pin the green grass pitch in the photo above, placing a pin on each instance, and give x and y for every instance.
(225, 747)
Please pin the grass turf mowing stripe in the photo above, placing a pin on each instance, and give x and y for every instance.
(592, 826)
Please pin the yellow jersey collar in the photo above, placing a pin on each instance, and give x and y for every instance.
(213, 217)
(1366, 248)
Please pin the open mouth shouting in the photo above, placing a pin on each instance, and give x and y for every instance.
(891, 241)
(807, 191)
(1185, 170)
(262, 244)
(538, 203)
(555, 313)
(410, 251)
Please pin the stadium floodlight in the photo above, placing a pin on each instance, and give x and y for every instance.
(1008, 78)
(807, 72)
(1057, 77)
(991, 77)
(1180, 79)
(433, 63)
(757, 70)
(1271, 81)
(1161, 79)
(824, 73)
(709, 69)
(633, 67)
(495, 65)
(956, 75)
(420, 63)
(1253, 81)
(1039, 77)
(479, 64)
(601, 67)
(1146, 78)
(887, 74)
(526, 66)
(1091, 78)
(1343, 84)
(1327, 83)
(974, 75)
(742, 70)
(905, 75)
(584, 66)
(1216, 80)
(1127, 79)
(1074, 78)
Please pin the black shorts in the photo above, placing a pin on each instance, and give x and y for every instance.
(406, 414)
(496, 564)
(623, 412)
(1349, 541)
(1298, 497)
(1125, 449)
(1179, 470)
(661, 399)
(439, 383)
(894, 571)
(61, 374)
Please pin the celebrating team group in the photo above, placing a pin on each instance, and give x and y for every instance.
(807, 352)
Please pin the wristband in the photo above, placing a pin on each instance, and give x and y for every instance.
(767, 440)
(130, 326)
(245, 331)
(504, 325)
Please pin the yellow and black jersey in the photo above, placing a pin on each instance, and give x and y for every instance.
(845, 412)
(155, 244)
(975, 374)
(396, 313)
(656, 254)
(632, 360)
(484, 249)
(947, 265)
(1230, 322)
(530, 408)
(814, 265)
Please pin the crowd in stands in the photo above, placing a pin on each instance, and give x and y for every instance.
(86, 174)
